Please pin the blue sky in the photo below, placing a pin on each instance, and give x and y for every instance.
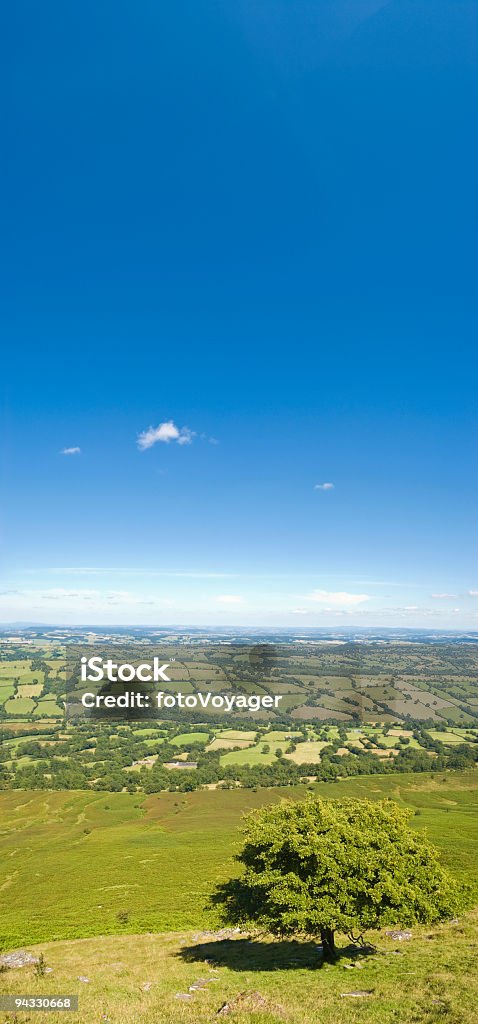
(254, 223)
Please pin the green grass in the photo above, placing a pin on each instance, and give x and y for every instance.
(455, 737)
(47, 708)
(248, 755)
(254, 755)
(185, 738)
(432, 981)
(145, 734)
(291, 701)
(19, 670)
(69, 862)
(19, 706)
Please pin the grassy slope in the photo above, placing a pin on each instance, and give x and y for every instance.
(158, 858)
(70, 862)
(432, 981)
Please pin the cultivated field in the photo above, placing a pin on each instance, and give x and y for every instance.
(425, 682)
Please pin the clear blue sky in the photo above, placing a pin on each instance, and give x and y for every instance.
(255, 220)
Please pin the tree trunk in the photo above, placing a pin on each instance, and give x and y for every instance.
(328, 942)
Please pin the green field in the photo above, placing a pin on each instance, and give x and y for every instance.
(70, 862)
(250, 756)
(46, 708)
(451, 737)
(185, 738)
(19, 706)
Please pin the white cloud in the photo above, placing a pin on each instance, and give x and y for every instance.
(165, 432)
(337, 599)
(324, 487)
(61, 594)
(229, 599)
(186, 436)
(473, 593)
(440, 597)
(300, 611)
(70, 451)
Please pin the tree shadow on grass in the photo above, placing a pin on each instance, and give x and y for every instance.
(254, 955)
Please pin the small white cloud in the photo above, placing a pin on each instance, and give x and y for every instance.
(442, 597)
(229, 599)
(165, 432)
(473, 593)
(70, 451)
(338, 599)
(324, 487)
(300, 611)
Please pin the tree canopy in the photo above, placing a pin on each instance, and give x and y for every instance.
(323, 865)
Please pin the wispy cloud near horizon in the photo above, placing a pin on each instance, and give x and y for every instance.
(339, 599)
(71, 451)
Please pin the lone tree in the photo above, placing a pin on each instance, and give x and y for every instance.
(318, 866)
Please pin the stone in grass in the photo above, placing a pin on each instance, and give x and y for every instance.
(183, 995)
(246, 1001)
(18, 959)
(200, 984)
(147, 985)
(84, 979)
(400, 936)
